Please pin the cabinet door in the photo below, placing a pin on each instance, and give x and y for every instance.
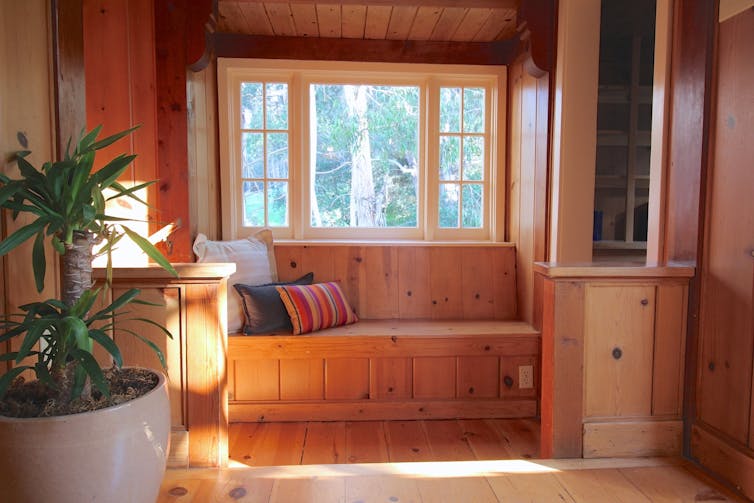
(618, 340)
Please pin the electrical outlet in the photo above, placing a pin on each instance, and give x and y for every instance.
(525, 376)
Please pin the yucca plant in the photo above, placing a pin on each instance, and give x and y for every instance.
(67, 200)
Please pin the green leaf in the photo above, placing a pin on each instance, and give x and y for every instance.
(33, 334)
(112, 139)
(121, 301)
(91, 367)
(9, 376)
(112, 170)
(86, 141)
(150, 250)
(39, 261)
(151, 344)
(44, 376)
(9, 190)
(75, 327)
(154, 324)
(21, 235)
(101, 338)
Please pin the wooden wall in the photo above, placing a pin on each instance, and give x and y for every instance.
(120, 84)
(412, 281)
(26, 122)
(528, 119)
(723, 424)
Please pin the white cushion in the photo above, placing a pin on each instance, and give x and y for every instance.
(255, 265)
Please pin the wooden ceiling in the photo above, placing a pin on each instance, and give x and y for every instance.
(395, 20)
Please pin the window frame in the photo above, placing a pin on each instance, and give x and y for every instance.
(429, 78)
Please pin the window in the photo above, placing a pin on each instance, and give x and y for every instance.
(364, 151)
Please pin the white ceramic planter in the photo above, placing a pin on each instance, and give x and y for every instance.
(114, 455)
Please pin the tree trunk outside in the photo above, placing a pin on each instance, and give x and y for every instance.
(363, 202)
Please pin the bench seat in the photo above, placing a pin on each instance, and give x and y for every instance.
(385, 369)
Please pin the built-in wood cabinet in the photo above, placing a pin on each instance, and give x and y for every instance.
(192, 307)
(613, 340)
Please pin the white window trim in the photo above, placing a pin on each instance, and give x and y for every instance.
(298, 74)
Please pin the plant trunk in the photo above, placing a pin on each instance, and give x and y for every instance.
(77, 267)
(363, 201)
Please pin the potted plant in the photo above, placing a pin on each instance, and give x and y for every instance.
(76, 422)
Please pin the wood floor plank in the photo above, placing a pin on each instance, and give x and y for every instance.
(532, 487)
(325, 443)
(273, 444)
(600, 485)
(447, 441)
(520, 436)
(365, 442)
(242, 440)
(484, 440)
(453, 490)
(406, 442)
(312, 489)
(671, 483)
(381, 488)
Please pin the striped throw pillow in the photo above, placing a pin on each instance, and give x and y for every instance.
(317, 306)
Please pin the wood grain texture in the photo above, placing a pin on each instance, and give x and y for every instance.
(669, 348)
(412, 281)
(649, 479)
(618, 344)
(717, 453)
(633, 439)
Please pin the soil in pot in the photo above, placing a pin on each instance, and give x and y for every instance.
(32, 399)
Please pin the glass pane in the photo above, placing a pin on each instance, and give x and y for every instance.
(472, 206)
(252, 151)
(473, 158)
(277, 155)
(473, 110)
(449, 200)
(251, 105)
(450, 110)
(367, 145)
(277, 106)
(253, 204)
(277, 204)
(450, 158)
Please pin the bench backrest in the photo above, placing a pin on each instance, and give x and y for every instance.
(406, 281)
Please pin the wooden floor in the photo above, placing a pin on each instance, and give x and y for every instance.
(424, 461)
(274, 444)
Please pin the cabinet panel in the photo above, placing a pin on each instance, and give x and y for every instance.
(670, 330)
(135, 353)
(618, 350)
(478, 376)
(346, 378)
(390, 378)
(257, 380)
(302, 379)
(435, 377)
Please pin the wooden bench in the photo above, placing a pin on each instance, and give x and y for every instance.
(438, 339)
(385, 369)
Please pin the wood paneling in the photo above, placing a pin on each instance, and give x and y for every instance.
(27, 110)
(669, 347)
(68, 63)
(618, 344)
(633, 439)
(194, 307)
(722, 437)
(412, 282)
(381, 369)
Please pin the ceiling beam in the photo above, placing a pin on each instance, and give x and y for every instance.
(476, 4)
(230, 45)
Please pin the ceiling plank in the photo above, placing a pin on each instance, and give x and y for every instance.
(255, 18)
(281, 19)
(305, 19)
(328, 16)
(401, 20)
(471, 24)
(449, 20)
(354, 20)
(232, 17)
(477, 4)
(500, 25)
(378, 19)
(232, 45)
(424, 23)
